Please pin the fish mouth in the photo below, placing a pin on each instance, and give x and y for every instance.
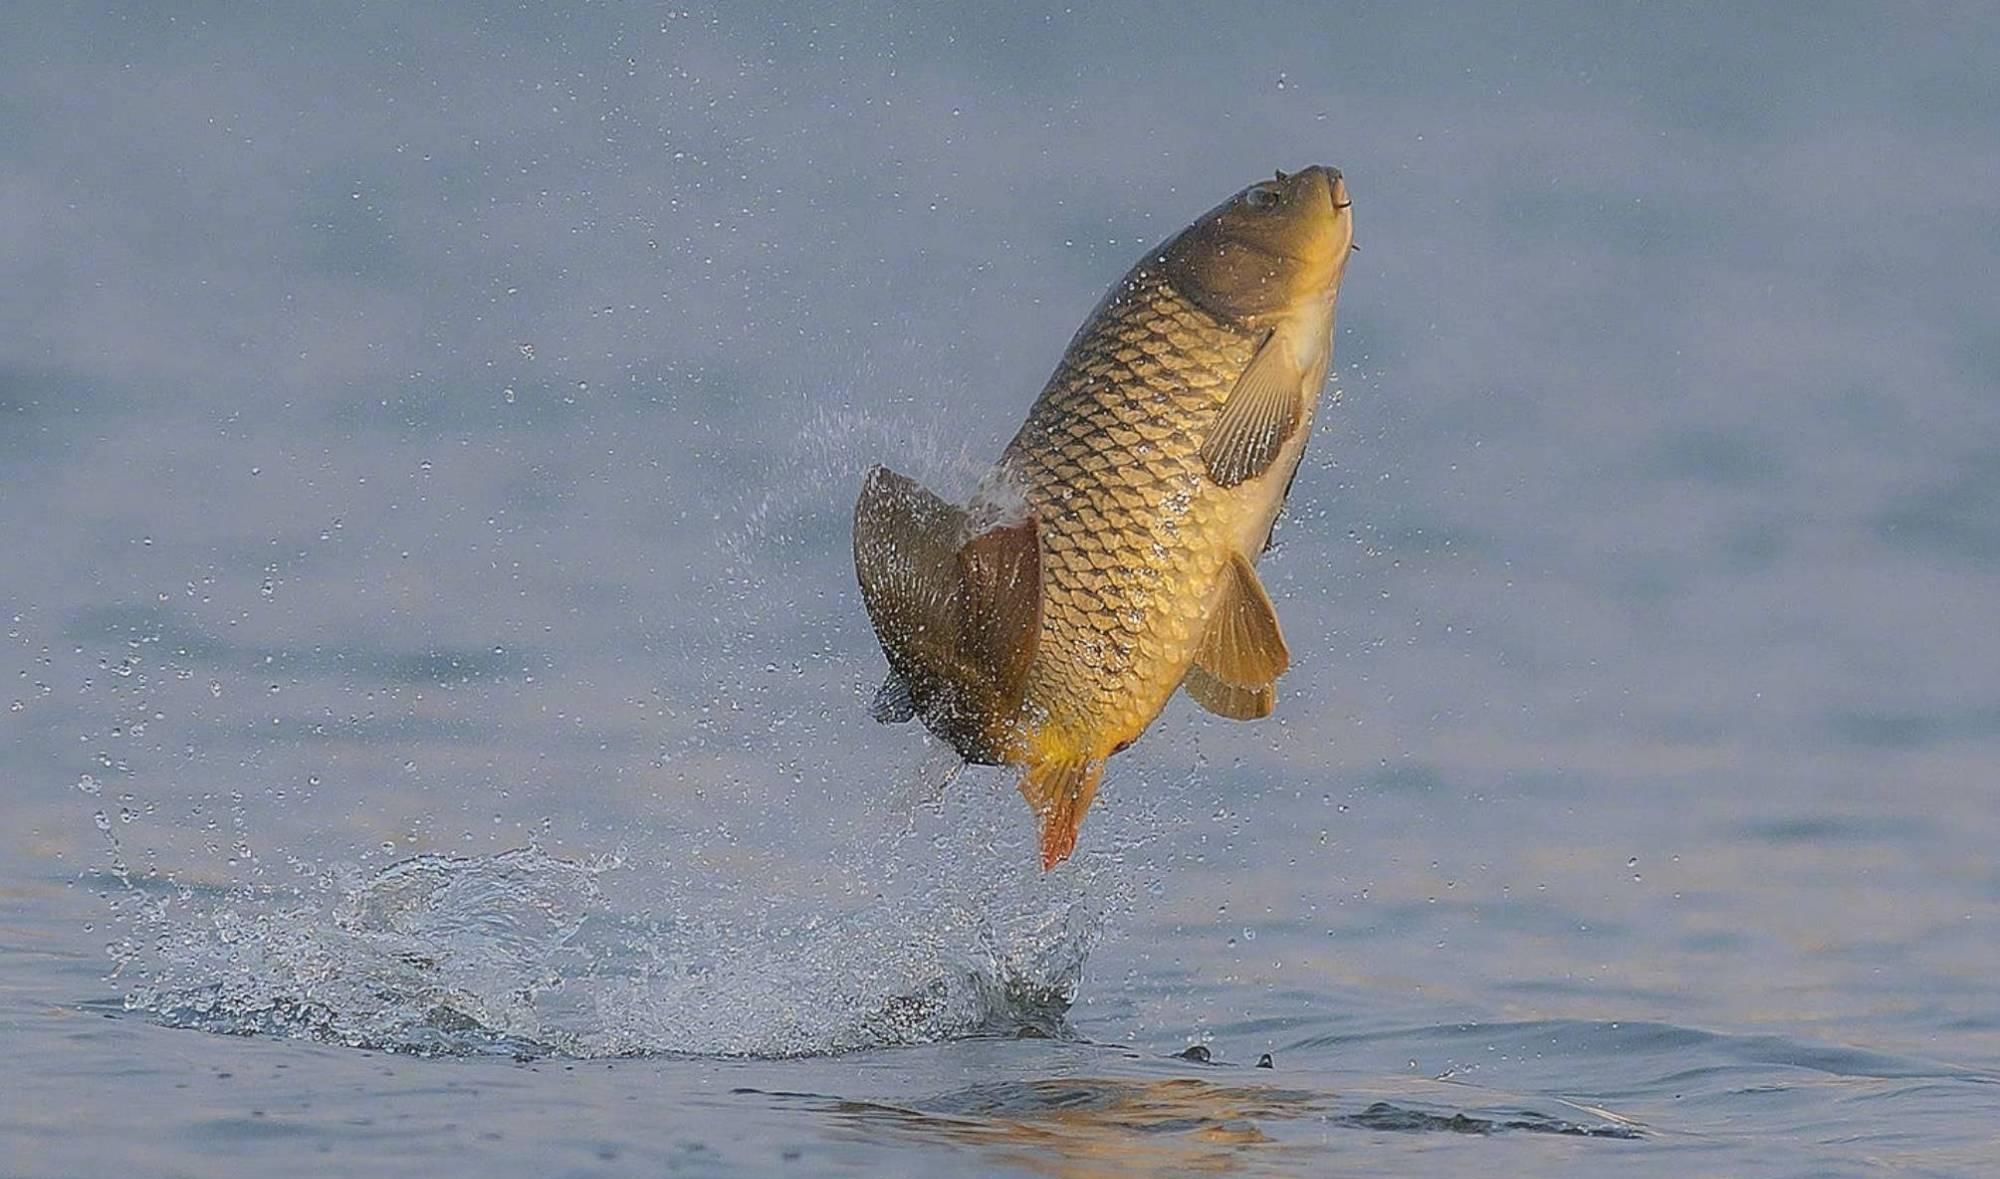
(1336, 188)
(1333, 185)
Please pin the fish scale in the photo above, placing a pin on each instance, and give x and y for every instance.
(1127, 533)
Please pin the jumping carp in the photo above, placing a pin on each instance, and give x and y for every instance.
(1109, 556)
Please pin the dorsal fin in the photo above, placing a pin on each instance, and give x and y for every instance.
(1243, 652)
(1259, 416)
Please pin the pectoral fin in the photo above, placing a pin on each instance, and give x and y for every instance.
(1261, 413)
(1243, 652)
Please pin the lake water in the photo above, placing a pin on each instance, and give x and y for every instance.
(434, 733)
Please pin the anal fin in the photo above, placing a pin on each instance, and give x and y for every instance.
(1060, 791)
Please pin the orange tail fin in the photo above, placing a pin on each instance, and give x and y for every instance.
(1060, 792)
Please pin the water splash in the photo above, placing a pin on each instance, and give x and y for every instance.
(829, 452)
(524, 953)
(805, 913)
(433, 954)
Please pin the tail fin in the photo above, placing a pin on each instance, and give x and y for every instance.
(1060, 792)
(958, 615)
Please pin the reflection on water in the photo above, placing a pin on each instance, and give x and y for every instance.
(1084, 1127)
(1078, 1127)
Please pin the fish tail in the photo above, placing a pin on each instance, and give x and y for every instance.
(1060, 790)
(958, 611)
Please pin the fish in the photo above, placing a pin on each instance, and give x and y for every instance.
(1108, 558)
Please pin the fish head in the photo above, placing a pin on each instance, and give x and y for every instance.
(1277, 247)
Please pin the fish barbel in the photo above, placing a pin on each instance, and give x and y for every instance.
(1109, 556)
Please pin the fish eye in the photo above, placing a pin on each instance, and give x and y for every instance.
(1261, 198)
